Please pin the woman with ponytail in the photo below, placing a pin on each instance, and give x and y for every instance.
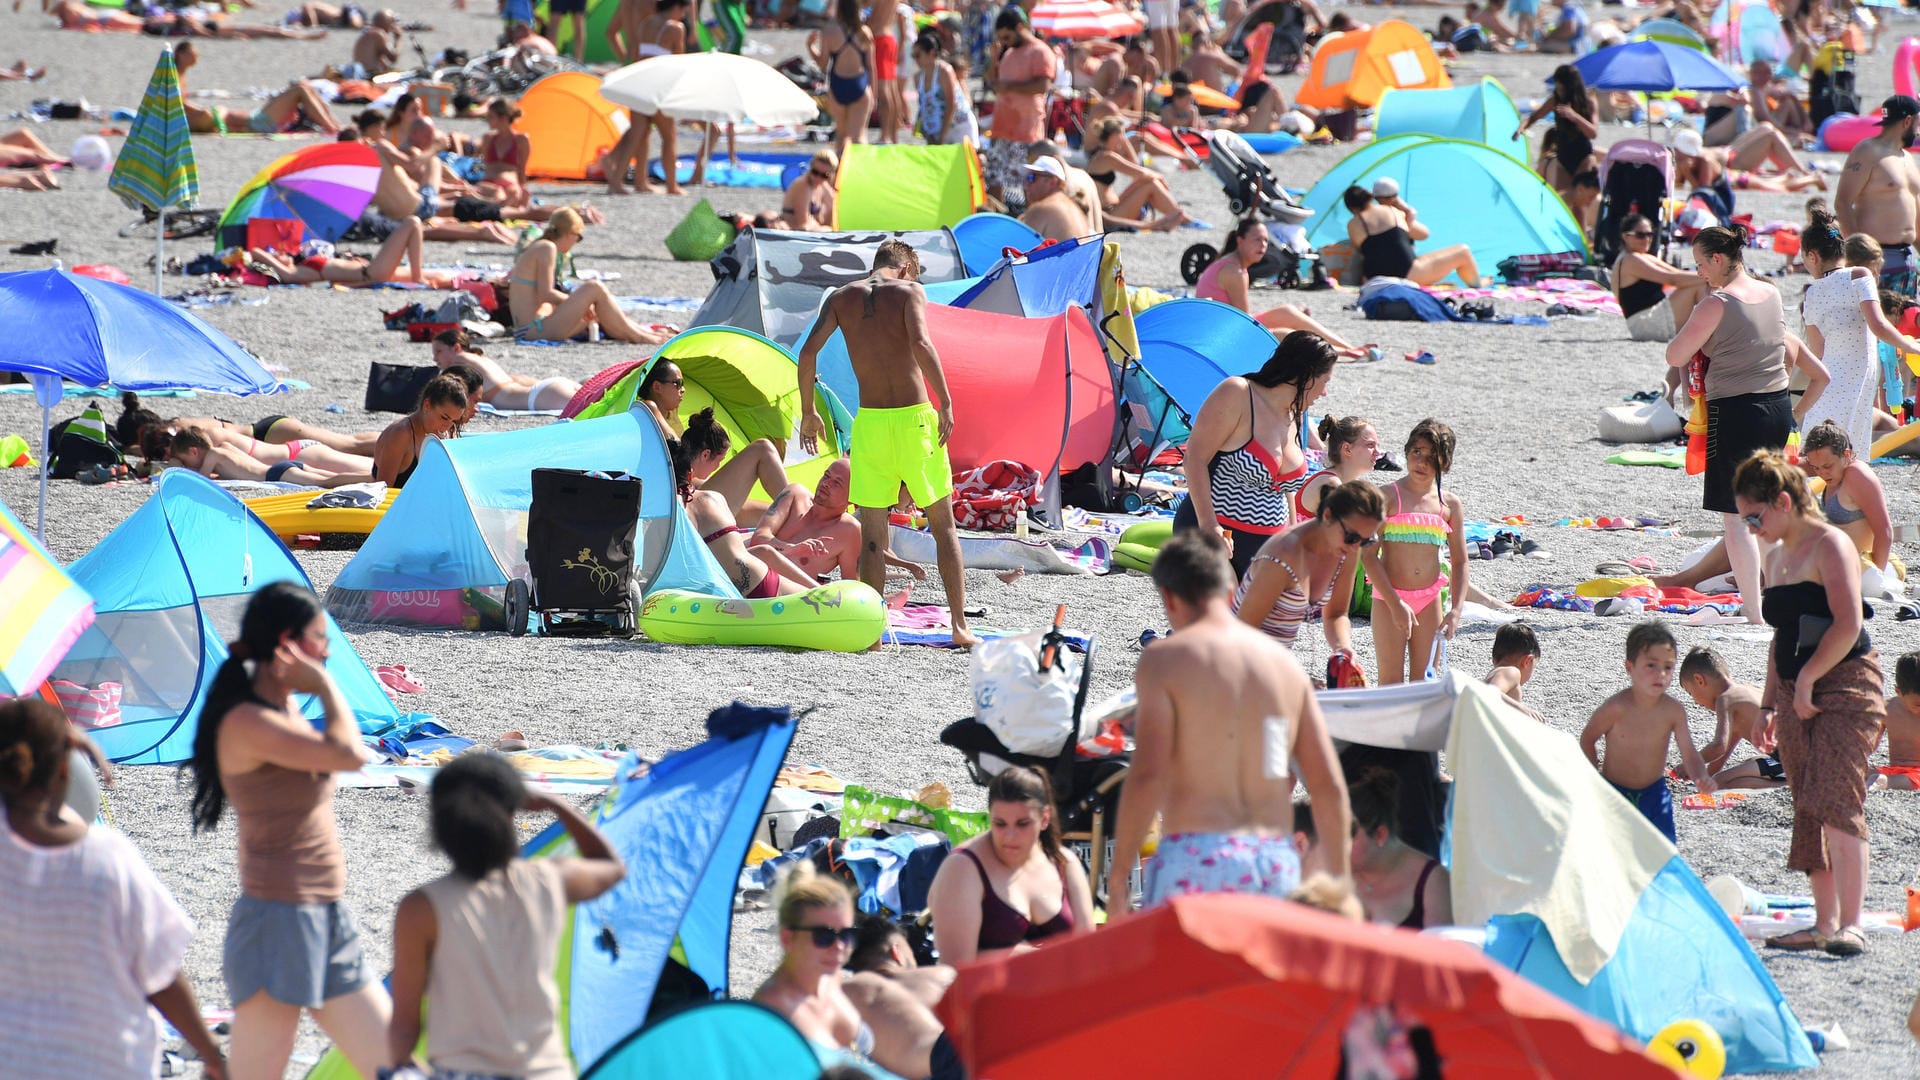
(543, 312)
(292, 945)
(480, 941)
(758, 571)
(1843, 317)
(91, 937)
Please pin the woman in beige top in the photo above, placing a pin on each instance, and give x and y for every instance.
(291, 943)
(482, 942)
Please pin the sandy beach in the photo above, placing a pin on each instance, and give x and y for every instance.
(1523, 400)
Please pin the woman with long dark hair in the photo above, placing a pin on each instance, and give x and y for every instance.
(758, 571)
(1574, 110)
(443, 406)
(1245, 458)
(1013, 885)
(1228, 279)
(292, 945)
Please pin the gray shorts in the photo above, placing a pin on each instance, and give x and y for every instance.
(300, 954)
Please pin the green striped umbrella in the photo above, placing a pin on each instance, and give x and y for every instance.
(155, 168)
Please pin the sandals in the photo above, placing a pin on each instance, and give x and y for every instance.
(1800, 941)
(1850, 941)
(104, 474)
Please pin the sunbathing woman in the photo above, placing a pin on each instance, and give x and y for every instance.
(1404, 568)
(1854, 502)
(1111, 156)
(500, 388)
(443, 404)
(192, 449)
(156, 441)
(543, 313)
(135, 419)
(758, 572)
(1226, 280)
(307, 269)
(279, 114)
(1312, 567)
(21, 149)
(1640, 283)
(759, 461)
(1383, 230)
(504, 153)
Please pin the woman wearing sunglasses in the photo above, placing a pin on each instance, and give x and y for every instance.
(1013, 886)
(1641, 280)
(809, 203)
(1313, 567)
(816, 940)
(1825, 703)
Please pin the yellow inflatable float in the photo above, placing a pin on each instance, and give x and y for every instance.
(841, 616)
(289, 516)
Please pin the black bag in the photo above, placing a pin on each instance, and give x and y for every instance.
(1829, 93)
(396, 387)
(74, 452)
(581, 530)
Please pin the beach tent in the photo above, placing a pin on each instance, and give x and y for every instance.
(770, 281)
(569, 125)
(1748, 30)
(1045, 281)
(682, 826)
(753, 387)
(1579, 893)
(1187, 347)
(599, 17)
(1466, 193)
(170, 584)
(1479, 112)
(897, 186)
(458, 531)
(42, 611)
(984, 239)
(727, 1040)
(1353, 69)
(1035, 391)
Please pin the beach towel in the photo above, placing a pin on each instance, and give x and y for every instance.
(1094, 556)
(1672, 457)
(994, 495)
(1405, 302)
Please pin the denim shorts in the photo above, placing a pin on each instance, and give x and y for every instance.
(300, 954)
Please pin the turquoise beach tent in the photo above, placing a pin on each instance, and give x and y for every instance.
(1186, 348)
(727, 1040)
(1479, 112)
(1465, 192)
(459, 526)
(170, 585)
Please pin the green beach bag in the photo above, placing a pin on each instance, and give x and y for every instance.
(700, 235)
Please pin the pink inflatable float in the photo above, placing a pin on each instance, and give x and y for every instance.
(1906, 66)
(1842, 132)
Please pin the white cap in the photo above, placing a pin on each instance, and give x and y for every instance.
(1386, 188)
(1049, 166)
(1688, 141)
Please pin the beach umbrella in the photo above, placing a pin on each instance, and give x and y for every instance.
(323, 187)
(1654, 67)
(155, 169)
(96, 333)
(715, 88)
(1084, 19)
(42, 612)
(1228, 986)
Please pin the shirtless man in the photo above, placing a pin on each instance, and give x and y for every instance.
(1879, 192)
(884, 22)
(377, 50)
(899, 440)
(1051, 212)
(1225, 716)
(896, 997)
(1208, 63)
(814, 529)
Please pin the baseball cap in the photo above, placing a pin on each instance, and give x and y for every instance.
(1897, 108)
(1049, 166)
(1386, 188)
(1688, 141)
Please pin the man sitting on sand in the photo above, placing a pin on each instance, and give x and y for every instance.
(500, 388)
(1051, 212)
(816, 528)
(377, 50)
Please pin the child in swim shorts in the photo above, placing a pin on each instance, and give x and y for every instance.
(1902, 771)
(1639, 723)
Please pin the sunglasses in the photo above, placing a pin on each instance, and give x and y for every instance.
(1752, 521)
(825, 936)
(1352, 538)
(674, 382)
(818, 175)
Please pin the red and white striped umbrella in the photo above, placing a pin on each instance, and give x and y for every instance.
(1083, 19)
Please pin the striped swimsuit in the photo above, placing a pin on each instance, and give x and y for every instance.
(1292, 607)
(1250, 493)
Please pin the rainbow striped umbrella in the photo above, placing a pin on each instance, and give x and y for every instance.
(1082, 19)
(322, 187)
(42, 612)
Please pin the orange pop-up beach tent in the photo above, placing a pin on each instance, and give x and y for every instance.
(1354, 69)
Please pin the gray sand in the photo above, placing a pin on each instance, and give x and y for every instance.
(1522, 399)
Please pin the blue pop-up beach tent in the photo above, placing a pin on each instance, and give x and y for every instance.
(1479, 112)
(460, 523)
(1187, 347)
(170, 585)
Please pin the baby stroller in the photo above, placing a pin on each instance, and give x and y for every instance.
(1286, 48)
(581, 530)
(1636, 177)
(1252, 191)
(1036, 698)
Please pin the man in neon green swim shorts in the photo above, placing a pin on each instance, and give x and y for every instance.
(899, 439)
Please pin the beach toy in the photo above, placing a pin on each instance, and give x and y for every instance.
(289, 516)
(1692, 1047)
(1148, 534)
(91, 152)
(1134, 557)
(842, 616)
(1906, 66)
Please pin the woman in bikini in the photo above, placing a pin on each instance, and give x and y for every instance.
(443, 406)
(1383, 230)
(1244, 458)
(156, 441)
(192, 449)
(1013, 886)
(544, 313)
(664, 33)
(1352, 448)
(1227, 279)
(808, 206)
(1854, 502)
(135, 420)
(1397, 884)
(817, 933)
(504, 390)
(1404, 568)
(1313, 567)
(844, 50)
(759, 572)
(662, 391)
(1110, 157)
(322, 265)
(504, 153)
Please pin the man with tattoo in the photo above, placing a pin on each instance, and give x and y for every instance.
(899, 439)
(1880, 189)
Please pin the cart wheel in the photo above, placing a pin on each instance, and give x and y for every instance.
(1195, 260)
(1237, 206)
(519, 603)
(1131, 502)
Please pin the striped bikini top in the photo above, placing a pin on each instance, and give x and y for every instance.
(1291, 608)
(1415, 528)
(1250, 493)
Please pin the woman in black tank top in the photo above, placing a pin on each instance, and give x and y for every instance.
(1640, 278)
(1383, 230)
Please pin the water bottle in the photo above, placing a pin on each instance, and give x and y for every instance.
(593, 329)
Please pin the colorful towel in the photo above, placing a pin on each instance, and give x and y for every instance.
(1672, 457)
(994, 495)
(1572, 292)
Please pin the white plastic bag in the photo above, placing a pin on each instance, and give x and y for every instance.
(1030, 711)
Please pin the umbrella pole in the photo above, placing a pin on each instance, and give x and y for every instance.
(46, 435)
(159, 251)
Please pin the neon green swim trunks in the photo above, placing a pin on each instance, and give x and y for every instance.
(892, 447)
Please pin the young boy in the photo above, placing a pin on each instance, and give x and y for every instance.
(1515, 649)
(1736, 707)
(1902, 771)
(1639, 723)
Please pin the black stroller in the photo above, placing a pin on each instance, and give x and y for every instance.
(581, 530)
(1252, 191)
(1286, 48)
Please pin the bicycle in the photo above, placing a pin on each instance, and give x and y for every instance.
(181, 224)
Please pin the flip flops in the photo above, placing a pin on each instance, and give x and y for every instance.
(1800, 941)
(1424, 356)
(396, 677)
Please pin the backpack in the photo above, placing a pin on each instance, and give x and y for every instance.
(1831, 88)
(81, 443)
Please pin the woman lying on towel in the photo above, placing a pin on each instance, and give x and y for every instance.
(500, 388)
(317, 262)
(758, 572)
(155, 440)
(191, 448)
(135, 420)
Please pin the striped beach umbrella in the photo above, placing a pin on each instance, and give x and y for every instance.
(323, 187)
(155, 168)
(42, 612)
(1084, 19)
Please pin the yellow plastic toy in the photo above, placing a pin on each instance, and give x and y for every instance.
(842, 616)
(288, 515)
(1692, 1047)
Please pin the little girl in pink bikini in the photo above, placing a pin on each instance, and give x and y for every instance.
(1423, 601)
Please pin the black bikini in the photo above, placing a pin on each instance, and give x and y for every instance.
(1640, 296)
